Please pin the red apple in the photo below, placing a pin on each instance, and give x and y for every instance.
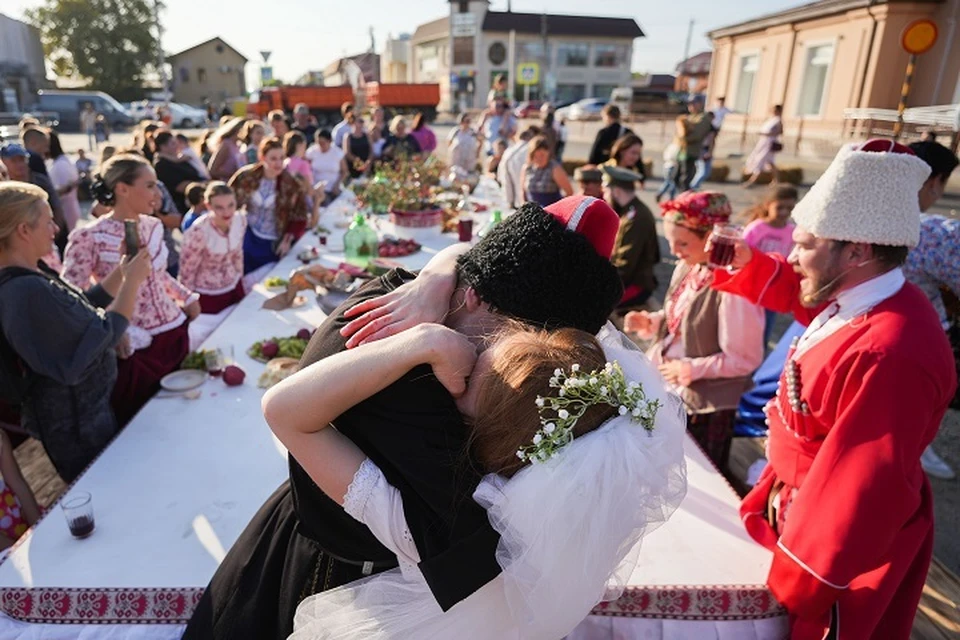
(233, 375)
(269, 349)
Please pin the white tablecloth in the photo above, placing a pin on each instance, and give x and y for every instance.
(178, 485)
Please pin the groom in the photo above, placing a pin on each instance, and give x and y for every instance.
(547, 267)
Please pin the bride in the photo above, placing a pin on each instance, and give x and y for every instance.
(583, 450)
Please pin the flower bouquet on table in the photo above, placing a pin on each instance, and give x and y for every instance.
(404, 190)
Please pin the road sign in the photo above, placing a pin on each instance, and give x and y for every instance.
(919, 37)
(266, 56)
(528, 73)
(266, 74)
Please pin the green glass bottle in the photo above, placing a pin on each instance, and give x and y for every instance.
(360, 243)
(494, 221)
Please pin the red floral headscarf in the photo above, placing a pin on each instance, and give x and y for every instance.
(697, 209)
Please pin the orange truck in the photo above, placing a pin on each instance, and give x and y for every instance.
(325, 102)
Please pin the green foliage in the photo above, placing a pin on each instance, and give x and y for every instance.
(109, 42)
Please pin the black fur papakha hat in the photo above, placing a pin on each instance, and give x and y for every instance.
(533, 268)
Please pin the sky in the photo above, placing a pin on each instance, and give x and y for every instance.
(309, 34)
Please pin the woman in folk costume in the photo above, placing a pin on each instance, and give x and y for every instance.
(844, 504)
(583, 448)
(707, 343)
(157, 340)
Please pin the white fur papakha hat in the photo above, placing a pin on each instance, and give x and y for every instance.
(868, 194)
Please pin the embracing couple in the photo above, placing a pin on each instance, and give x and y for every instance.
(475, 454)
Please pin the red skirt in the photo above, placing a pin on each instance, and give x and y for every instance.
(219, 302)
(138, 377)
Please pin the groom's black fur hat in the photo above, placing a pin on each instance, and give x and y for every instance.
(534, 269)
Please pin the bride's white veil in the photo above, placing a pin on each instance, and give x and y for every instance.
(570, 535)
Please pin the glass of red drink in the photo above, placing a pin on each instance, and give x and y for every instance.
(723, 245)
(465, 229)
(78, 510)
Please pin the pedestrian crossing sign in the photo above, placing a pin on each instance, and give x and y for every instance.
(528, 73)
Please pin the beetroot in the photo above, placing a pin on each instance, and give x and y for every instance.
(269, 349)
(304, 334)
(233, 375)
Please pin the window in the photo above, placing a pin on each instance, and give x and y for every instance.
(497, 53)
(603, 90)
(609, 55)
(463, 50)
(201, 75)
(463, 7)
(571, 92)
(573, 55)
(532, 52)
(748, 73)
(813, 88)
(184, 74)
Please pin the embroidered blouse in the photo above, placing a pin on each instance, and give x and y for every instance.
(935, 261)
(740, 322)
(211, 261)
(94, 251)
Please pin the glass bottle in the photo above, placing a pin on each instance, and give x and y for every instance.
(494, 221)
(360, 243)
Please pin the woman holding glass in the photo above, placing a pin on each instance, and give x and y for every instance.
(706, 343)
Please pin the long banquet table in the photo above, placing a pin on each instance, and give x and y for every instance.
(174, 490)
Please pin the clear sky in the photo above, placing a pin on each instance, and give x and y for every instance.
(309, 34)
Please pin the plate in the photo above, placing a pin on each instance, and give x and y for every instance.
(183, 380)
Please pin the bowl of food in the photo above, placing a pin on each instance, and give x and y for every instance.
(269, 348)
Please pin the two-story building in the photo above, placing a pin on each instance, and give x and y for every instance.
(823, 57)
(576, 56)
(211, 71)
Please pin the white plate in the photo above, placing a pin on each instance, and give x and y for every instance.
(184, 380)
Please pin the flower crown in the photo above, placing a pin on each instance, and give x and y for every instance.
(577, 393)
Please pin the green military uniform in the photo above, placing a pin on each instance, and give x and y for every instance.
(637, 248)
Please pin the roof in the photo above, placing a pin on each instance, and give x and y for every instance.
(696, 65)
(432, 30)
(205, 42)
(562, 25)
(809, 11)
(369, 64)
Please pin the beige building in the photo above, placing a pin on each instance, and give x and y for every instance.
(821, 58)
(395, 59)
(210, 71)
(577, 56)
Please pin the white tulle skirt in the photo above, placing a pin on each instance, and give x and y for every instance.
(570, 536)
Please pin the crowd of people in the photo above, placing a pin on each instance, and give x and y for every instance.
(107, 320)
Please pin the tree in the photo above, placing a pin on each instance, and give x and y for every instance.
(109, 42)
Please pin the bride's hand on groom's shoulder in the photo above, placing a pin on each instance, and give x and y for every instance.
(451, 355)
(413, 303)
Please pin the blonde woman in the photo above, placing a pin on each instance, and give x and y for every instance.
(65, 337)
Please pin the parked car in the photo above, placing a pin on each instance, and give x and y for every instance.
(182, 116)
(142, 110)
(586, 109)
(529, 109)
(68, 105)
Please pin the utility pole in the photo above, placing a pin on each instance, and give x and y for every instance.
(161, 59)
(686, 49)
(545, 69)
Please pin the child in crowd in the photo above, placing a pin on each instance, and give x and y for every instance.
(83, 163)
(768, 224)
(769, 230)
(211, 262)
(18, 506)
(464, 145)
(188, 152)
(671, 167)
(198, 207)
(493, 162)
(296, 163)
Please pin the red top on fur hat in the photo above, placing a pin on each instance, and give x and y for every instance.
(590, 217)
(881, 145)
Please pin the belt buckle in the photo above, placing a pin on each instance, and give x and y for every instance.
(367, 568)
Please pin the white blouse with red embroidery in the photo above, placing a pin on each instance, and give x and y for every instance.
(94, 251)
(211, 261)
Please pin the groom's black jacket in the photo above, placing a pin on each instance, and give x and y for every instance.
(415, 435)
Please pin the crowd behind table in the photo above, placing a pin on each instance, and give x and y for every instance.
(208, 216)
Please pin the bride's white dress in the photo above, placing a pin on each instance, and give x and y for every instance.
(569, 530)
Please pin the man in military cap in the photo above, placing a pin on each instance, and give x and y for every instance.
(589, 179)
(637, 248)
